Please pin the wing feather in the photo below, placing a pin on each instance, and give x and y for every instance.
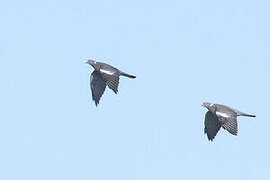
(212, 125)
(230, 124)
(112, 81)
(98, 86)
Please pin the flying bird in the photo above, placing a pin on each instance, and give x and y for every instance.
(219, 116)
(104, 75)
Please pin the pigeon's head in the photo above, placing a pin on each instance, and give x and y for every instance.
(93, 63)
(210, 106)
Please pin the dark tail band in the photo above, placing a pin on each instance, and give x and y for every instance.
(248, 115)
(127, 75)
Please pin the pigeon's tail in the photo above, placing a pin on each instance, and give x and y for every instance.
(127, 75)
(248, 115)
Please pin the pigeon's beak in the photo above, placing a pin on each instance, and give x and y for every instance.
(86, 62)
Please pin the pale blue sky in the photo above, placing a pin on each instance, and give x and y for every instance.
(182, 52)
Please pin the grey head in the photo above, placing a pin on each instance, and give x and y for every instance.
(94, 64)
(210, 106)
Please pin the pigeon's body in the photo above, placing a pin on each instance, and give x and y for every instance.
(108, 69)
(221, 116)
(225, 111)
(104, 75)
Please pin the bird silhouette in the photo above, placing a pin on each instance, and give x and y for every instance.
(104, 75)
(221, 116)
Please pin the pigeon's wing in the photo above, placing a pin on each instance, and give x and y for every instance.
(111, 76)
(230, 124)
(98, 86)
(212, 125)
(112, 81)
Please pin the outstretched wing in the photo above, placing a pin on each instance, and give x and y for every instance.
(112, 81)
(212, 125)
(230, 124)
(111, 76)
(98, 86)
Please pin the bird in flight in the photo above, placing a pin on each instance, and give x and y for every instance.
(104, 75)
(221, 116)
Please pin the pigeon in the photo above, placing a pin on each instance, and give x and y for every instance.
(104, 75)
(219, 116)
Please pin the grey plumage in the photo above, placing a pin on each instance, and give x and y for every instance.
(221, 116)
(212, 125)
(104, 75)
(97, 86)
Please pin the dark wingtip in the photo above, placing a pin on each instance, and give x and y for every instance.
(210, 138)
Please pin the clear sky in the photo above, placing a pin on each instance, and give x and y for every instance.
(182, 52)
